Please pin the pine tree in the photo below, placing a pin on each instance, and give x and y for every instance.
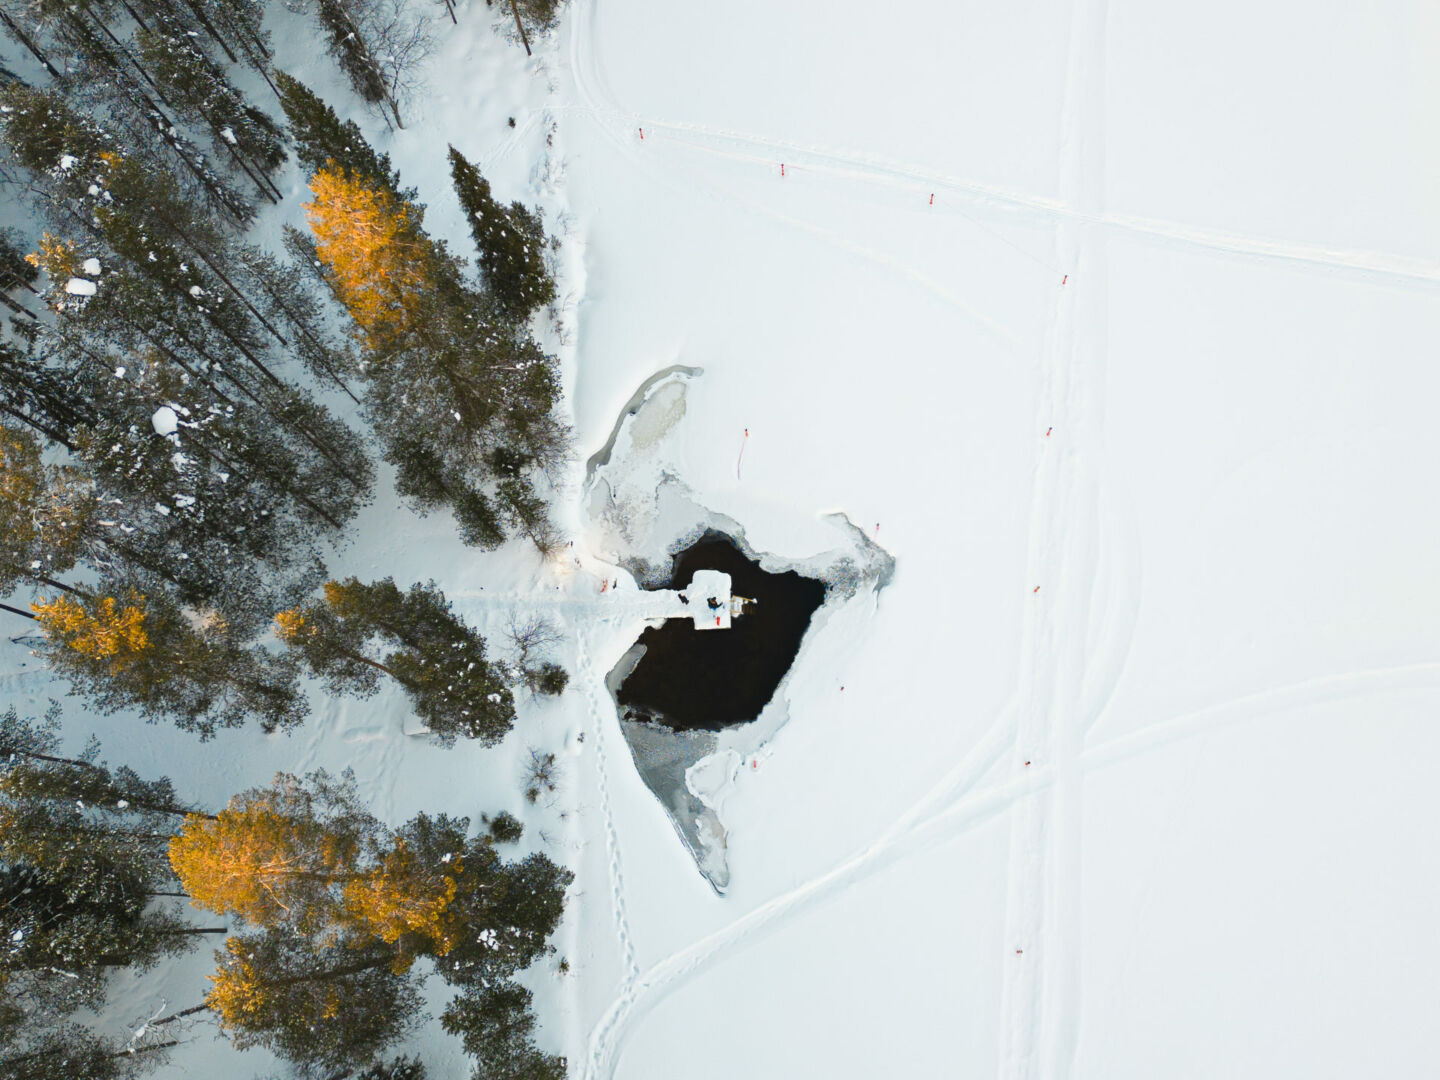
(511, 243)
(229, 505)
(320, 138)
(408, 898)
(401, 1068)
(237, 26)
(104, 631)
(133, 102)
(538, 15)
(37, 769)
(340, 907)
(324, 1008)
(304, 856)
(278, 856)
(72, 936)
(464, 397)
(15, 271)
(380, 263)
(495, 1025)
(201, 91)
(434, 656)
(423, 476)
(72, 1052)
(192, 272)
(80, 866)
(40, 397)
(128, 650)
(505, 914)
(223, 517)
(45, 511)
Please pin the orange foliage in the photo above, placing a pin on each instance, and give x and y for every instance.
(290, 625)
(104, 631)
(374, 251)
(258, 862)
(19, 466)
(402, 897)
(59, 258)
(239, 993)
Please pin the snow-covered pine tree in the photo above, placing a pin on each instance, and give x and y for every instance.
(286, 295)
(511, 243)
(217, 504)
(39, 1047)
(495, 1022)
(321, 137)
(286, 859)
(125, 649)
(82, 860)
(331, 1007)
(149, 225)
(201, 92)
(508, 911)
(538, 15)
(338, 899)
(436, 658)
(133, 102)
(279, 855)
(193, 513)
(15, 271)
(45, 513)
(414, 896)
(165, 312)
(38, 396)
(449, 373)
(401, 1068)
(429, 481)
(236, 26)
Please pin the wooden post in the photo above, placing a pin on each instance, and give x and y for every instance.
(521, 27)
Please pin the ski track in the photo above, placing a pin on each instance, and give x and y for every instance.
(649, 990)
(957, 811)
(1037, 991)
(622, 137)
(855, 165)
(621, 127)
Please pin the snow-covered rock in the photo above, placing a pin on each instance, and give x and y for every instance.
(80, 287)
(164, 421)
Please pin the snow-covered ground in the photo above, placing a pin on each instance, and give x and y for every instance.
(1131, 774)
(1162, 347)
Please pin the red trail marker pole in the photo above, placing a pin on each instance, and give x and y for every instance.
(782, 169)
(741, 458)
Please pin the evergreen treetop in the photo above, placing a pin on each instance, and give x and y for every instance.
(511, 243)
(321, 137)
(434, 655)
(124, 649)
